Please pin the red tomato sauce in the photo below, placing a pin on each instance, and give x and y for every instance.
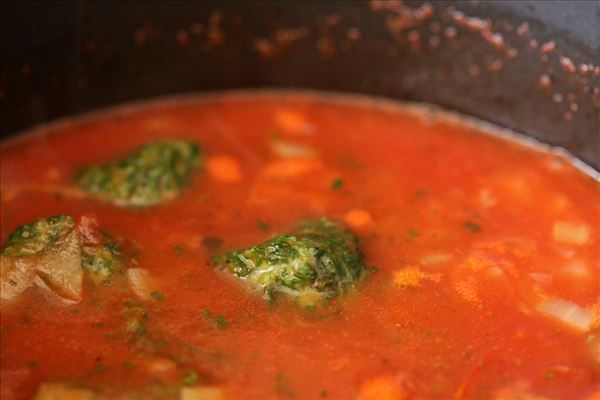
(458, 228)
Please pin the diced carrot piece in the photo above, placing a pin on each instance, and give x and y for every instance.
(292, 167)
(224, 168)
(408, 277)
(292, 121)
(467, 289)
(381, 388)
(358, 218)
(411, 276)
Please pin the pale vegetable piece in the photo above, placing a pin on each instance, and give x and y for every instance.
(572, 233)
(292, 121)
(160, 365)
(516, 391)
(541, 277)
(292, 167)
(16, 277)
(435, 258)
(46, 253)
(202, 393)
(576, 269)
(53, 253)
(382, 388)
(61, 391)
(141, 282)
(358, 218)
(60, 268)
(291, 150)
(568, 313)
(224, 168)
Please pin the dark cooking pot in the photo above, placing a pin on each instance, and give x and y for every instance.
(528, 65)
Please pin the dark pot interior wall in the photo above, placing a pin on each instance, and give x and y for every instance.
(518, 64)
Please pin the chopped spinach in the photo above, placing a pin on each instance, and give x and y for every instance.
(337, 183)
(36, 237)
(472, 226)
(319, 261)
(153, 174)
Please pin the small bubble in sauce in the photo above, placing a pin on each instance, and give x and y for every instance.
(523, 29)
(544, 58)
(568, 116)
(495, 65)
(474, 70)
(567, 64)
(512, 53)
(583, 69)
(182, 38)
(548, 47)
(450, 32)
(25, 70)
(557, 97)
(353, 33)
(434, 41)
(545, 82)
(414, 38)
(196, 28)
(574, 107)
(533, 43)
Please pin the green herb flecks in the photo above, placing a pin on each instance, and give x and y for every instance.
(319, 261)
(472, 226)
(36, 237)
(337, 183)
(153, 174)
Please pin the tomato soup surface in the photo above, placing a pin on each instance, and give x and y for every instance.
(481, 258)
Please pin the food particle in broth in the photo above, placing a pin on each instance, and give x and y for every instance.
(477, 274)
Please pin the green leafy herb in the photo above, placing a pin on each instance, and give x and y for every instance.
(178, 249)
(157, 295)
(212, 243)
(190, 378)
(472, 226)
(337, 183)
(319, 261)
(153, 174)
(420, 193)
(283, 387)
(221, 321)
(36, 237)
(412, 233)
(262, 225)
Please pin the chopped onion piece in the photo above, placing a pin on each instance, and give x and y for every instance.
(140, 282)
(541, 277)
(288, 149)
(568, 313)
(435, 258)
(572, 233)
(576, 269)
